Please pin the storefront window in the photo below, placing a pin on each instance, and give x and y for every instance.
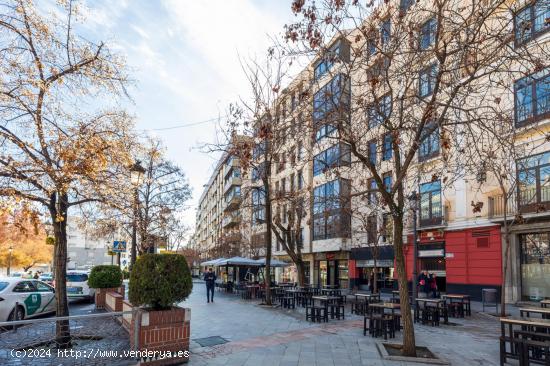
(323, 273)
(343, 277)
(535, 265)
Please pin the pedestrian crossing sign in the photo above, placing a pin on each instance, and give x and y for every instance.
(119, 246)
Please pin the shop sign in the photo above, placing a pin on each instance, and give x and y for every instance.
(431, 253)
(370, 263)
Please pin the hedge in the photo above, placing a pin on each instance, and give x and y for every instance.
(105, 276)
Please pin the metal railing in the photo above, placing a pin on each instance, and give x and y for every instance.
(95, 339)
(496, 207)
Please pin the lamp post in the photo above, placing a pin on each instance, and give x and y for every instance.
(414, 203)
(136, 178)
(10, 250)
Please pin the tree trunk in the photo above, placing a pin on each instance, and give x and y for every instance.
(301, 272)
(58, 211)
(409, 344)
(505, 267)
(268, 238)
(375, 278)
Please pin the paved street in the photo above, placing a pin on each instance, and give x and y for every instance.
(260, 336)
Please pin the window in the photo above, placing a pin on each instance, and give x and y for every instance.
(372, 229)
(331, 98)
(330, 216)
(534, 182)
(387, 179)
(258, 206)
(302, 238)
(337, 155)
(373, 190)
(77, 277)
(378, 69)
(427, 80)
(535, 265)
(429, 142)
(300, 179)
(283, 185)
(385, 32)
(25, 286)
(292, 180)
(258, 172)
(405, 5)
(532, 95)
(427, 34)
(372, 152)
(430, 204)
(328, 60)
(285, 213)
(259, 150)
(42, 287)
(293, 102)
(299, 152)
(387, 151)
(371, 44)
(378, 113)
(532, 21)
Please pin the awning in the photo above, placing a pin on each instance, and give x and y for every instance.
(385, 252)
(212, 262)
(237, 261)
(273, 263)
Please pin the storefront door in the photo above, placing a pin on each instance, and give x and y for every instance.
(535, 265)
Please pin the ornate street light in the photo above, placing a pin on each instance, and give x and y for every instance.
(136, 178)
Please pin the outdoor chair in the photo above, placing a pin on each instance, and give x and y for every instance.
(288, 302)
(316, 314)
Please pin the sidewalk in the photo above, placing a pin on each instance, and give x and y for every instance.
(263, 336)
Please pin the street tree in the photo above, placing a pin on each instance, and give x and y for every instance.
(63, 142)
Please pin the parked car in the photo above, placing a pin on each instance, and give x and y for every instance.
(46, 277)
(25, 298)
(77, 285)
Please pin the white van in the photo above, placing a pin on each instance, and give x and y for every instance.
(77, 285)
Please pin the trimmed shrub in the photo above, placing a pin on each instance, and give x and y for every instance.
(159, 281)
(105, 276)
(125, 274)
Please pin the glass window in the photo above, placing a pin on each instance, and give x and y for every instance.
(534, 179)
(532, 21)
(372, 152)
(42, 287)
(77, 277)
(329, 217)
(329, 98)
(405, 5)
(430, 202)
(373, 189)
(535, 265)
(532, 95)
(337, 155)
(427, 80)
(258, 206)
(387, 151)
(385, 32)
(387, 182)
(3, 285)
(429, 143)
(378, 113)
(24, 286)
(427, 34)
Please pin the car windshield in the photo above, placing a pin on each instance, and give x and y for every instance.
(3, 285)
(77, 277)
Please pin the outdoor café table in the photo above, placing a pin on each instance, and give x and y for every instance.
(526, 312)
(524, 326)
(367, 297)
(294, 292)
(389, 306)
(331, 292)
(464, 299)
(253, 290)
(438, 303)
(545, 304)
(324, 300)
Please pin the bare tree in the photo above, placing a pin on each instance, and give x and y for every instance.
(54, 151)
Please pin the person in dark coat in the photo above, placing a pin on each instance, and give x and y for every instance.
(424, 283)
(210, 280)
(433, 285)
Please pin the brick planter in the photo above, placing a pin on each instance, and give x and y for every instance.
(163, 330)
(101, 292)
(113, 301)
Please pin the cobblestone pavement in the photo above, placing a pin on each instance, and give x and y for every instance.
(271, 336)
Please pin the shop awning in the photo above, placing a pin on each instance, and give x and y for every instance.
(212, 262)
(237, 261)
(274, 263)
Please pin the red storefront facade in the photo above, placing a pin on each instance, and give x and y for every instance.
(465, 261)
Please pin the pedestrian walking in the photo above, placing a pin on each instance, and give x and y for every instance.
(210, 279)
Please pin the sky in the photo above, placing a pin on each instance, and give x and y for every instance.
(184, 55)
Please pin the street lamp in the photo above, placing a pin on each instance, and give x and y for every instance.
(136, 178)
(413, 198)
(10, 250)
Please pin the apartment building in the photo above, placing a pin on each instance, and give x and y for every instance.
(218, 217)
(462, 246)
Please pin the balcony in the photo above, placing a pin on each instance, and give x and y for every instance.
(439, 216)
(231, 220)
(230, 182)
(232, 202)
(496, 209)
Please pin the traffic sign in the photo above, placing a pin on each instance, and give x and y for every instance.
(119, 246)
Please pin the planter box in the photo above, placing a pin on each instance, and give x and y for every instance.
(113, 301)
(101, 292)
(155, 333)
(126, 318)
